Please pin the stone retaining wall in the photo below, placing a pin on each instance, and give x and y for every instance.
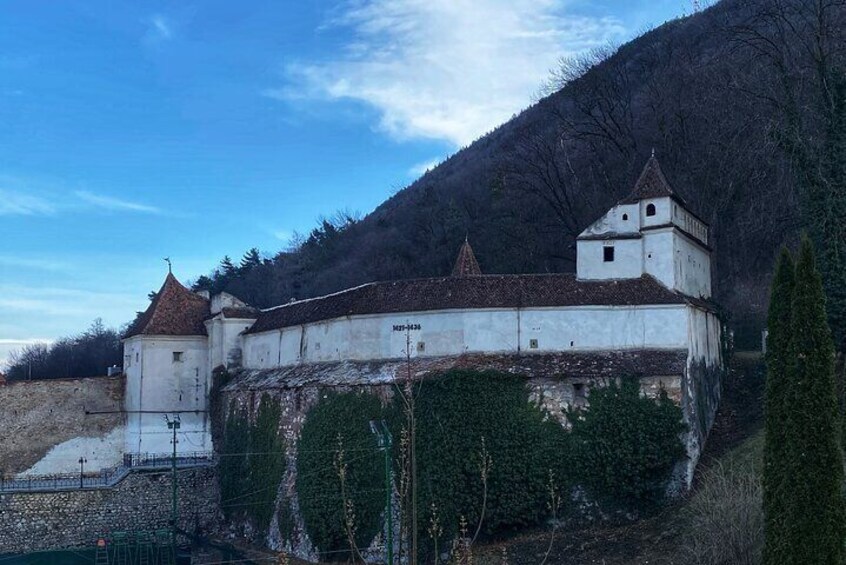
(142, 501)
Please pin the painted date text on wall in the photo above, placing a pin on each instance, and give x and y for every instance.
(406, 327)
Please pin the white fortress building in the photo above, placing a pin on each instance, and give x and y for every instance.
(638, 306)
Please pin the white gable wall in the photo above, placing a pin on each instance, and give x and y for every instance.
(613, 221)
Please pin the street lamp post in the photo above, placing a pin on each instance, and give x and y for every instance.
(82, 461)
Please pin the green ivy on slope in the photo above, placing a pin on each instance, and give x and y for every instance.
(346, 415)
(624, 447)
(252, 463)
(454, 414)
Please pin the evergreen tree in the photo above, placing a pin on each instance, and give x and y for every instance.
(814, 529)
(775, 478)
(227, 267)
(250, 260)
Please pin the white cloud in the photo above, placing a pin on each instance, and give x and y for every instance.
(159, 28)
(446, 69)
(115, 204)
(420, 169)
(14, 202)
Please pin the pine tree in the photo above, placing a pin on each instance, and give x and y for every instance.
(775, 478)
(814, 529)
(251, 259)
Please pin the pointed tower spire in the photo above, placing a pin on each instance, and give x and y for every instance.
(466, 264)
(652, 183)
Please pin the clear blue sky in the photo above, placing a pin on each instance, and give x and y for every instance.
(130, 131)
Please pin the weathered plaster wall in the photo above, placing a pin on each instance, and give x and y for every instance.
(158, 384)
(142, 501)
(702, 387)
(225, 341)
(456, 332)
(39, 416)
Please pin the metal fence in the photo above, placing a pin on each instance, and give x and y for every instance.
(108, 477)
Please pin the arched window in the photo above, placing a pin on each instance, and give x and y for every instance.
(650, 209)
(625, 217)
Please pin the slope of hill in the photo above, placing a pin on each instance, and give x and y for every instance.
(696, 90)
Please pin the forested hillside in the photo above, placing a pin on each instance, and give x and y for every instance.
(743, 104)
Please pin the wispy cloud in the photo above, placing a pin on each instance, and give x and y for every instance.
(159, 28)
(115, 204)
(446, 69)
(30, 263)
(16, 202)
(282, 235)
(420, 169)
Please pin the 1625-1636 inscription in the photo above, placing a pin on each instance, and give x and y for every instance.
(406, 327)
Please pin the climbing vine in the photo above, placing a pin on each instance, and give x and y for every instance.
(336, 437)
(252, 463)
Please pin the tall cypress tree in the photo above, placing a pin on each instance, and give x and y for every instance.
(776, 477)
(814, 529)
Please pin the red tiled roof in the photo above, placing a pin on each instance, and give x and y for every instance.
(466, 264)
(246, 312)
(174, 311)
(484, 291)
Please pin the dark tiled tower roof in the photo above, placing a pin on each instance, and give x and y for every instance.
(174, 311)
(652, 184)
(466, 264)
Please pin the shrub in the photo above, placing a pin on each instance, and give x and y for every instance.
(626, 445)
(725, 518)
(454, 414)
(319, 488)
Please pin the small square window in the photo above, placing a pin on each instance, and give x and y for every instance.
(177, 356)
(421, 347)
(608, 253)
(533, 344)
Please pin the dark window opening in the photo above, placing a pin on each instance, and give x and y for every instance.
(608, 253)
(177, 356)
(625, 217)
(650, 209)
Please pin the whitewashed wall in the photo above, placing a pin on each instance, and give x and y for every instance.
(155, 383)
(627, 263)
(705, 337)
(689, 223)
(225, 341)
(663, 212)
(693, 268)
(453, 332)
